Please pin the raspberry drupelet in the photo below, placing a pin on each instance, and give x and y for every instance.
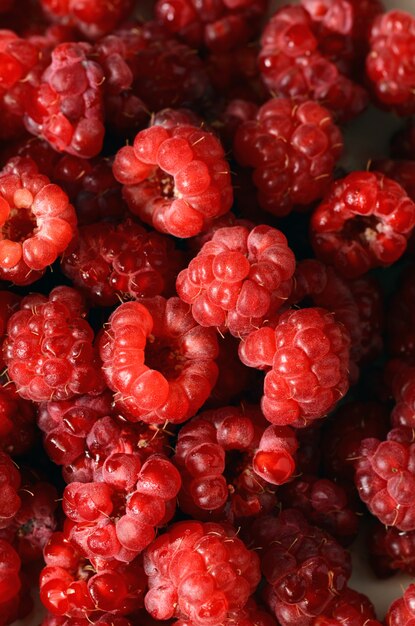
(307, 359)
(364, 222)
(158, 360)
(49, 349)
(401, 612)
(219, 26)
(199, 572)
(385, 478)
(107, 261)
(306, 569)
(293, 148)
(292, 66)
(37, 222)
(93, 18)
(240, 278)
(175, 179)
(72, 586)
(66, 107)
(351, 608)
(390, 65)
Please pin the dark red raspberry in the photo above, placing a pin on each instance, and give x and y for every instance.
(368, 296)
(6, 5)
(250, 615)
(71, 585)
(293, 150)
(106, 619)
(111, 261)
(177, 180)
(207, 453)
(390, 64)
(390, 550)
(236, 113)
(65, 108)
(17, 422)
(307, 359)
(199, 572)
(117, 517)
(158, 360)
(49, 349)
(240, 278)
(344, 432)
(323, 503)
(10, 582)
(309, 451)
(306, 569)
(364, 222)
(10, 502)
(402, 171)
(220, 26)
(400, 323)
(400, 376)
(236, 75)
(94, 18)
(351, 608)
(292, 65)
(401, 612)
(385, 478)
(37, 222)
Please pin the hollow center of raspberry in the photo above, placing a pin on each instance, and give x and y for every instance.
(365, 229)
(164, 183)
(164, 356)
(19, 225)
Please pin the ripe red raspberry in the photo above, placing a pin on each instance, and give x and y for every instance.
(293, 149)
(158, 360)
(9, 580)
(292, 65)
(400, 324)
(390, 550)
(65, 108)
(37, 222)
(49, 349)
(10, 502)
(344, 432)
(385, 478)
(265, 458)
(402, 171)
(250, 615)
(220, 26)
(240, 278)
(401, 612)
(94, 18)
(17, 422)
(9, 303)
(71, 585)
(325, 504)
(117, 517)
(364, 222)
(175, 179)
(351, 608)
(111, 261)
(236, 113)
(199, 572)
(400, 377)
(106, 619)
(389, 64)
(307, 359)
(17, 57)
(306, 569)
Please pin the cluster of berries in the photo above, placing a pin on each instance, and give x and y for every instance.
(202, 392)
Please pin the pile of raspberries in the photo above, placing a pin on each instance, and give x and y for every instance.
(207, 321)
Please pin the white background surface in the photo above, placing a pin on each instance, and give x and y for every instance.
(366, 138)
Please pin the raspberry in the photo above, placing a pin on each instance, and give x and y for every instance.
(17, 422)
(49, 351)
(116, 518)
(10, 501)
(106, 619)
(71, 585)
(367, 294)
(344, 432)
(234, 377)
(109, 261)
(351, 607)
(307, 359)
(239, 278)
(236, 113)
(175, 179)
(219, 26)
(158, 360)
(385, 478)
(401, 171)
(236, 75)
(323, 503)
(401, 378)
(364, 222)
(265, 458)
(305, 568)
(401, 611)
(293, 149)
(400, 323)
(17, 57)
(250, 614)
(37, 222)
(292, 66)
(65, 108)
(9, 303)
(9, 578)
(199, 572)
(391, 550)
(389, 64)
(94, 18)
